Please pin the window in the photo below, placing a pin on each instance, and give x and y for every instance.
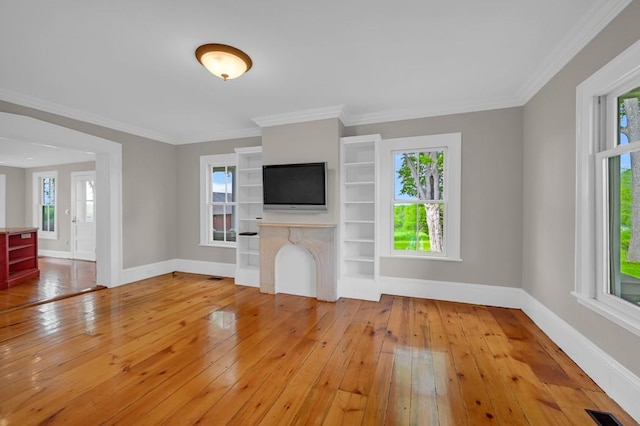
(420, 194)
(218, 203)
(608, 191)
(44, 204)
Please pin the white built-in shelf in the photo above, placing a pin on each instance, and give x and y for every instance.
(361, 164)
(358, 207)
(359, 258)
(358, 240)
(248, 210)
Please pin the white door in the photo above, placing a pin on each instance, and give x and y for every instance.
(83, 220)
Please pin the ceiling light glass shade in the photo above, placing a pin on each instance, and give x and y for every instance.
(224, 61)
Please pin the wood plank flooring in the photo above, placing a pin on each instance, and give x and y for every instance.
(58, 278)
(183, 349)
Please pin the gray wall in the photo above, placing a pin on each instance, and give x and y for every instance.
(549, 191)
(149, 207)
(148, 189)
(188, 225)
(491, 214)
(15, 196)
(314, 141)
(63, 202)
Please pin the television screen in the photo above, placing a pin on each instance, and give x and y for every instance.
(295, 186)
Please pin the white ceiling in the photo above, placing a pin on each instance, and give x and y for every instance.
(25, 155)
(130, 65)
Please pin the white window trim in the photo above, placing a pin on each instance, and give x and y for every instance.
(206, 162)
(615, 77)
(452, 143)
(36, 190)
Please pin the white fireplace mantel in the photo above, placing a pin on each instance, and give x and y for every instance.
(321, 242)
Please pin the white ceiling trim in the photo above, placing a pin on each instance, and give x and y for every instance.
(248, 132)
(53, 108)
(434, 111)
(594, 21)
(300, 116)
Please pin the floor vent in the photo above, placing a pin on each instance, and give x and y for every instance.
(214, 278)
(603, 419)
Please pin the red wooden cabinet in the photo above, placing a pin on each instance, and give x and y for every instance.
(18, 255)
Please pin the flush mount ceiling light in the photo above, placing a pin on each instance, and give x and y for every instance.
(224, 61)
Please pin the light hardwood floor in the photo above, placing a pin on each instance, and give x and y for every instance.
(185, 349)
(58, 278)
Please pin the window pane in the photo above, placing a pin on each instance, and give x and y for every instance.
(48, 218)
(231, 183)
(84, 211)
(222, 184)
(629, 117)
(624, 226)
(89, 190)
(224, 223)
(418, 175)
(230, 223)
(418, 227)
(48, 191)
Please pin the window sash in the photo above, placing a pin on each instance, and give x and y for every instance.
(607, 214)
(226, 206)
(450, 145)
(217, 229)
(45, 212)
(607, 246)
(596, 132)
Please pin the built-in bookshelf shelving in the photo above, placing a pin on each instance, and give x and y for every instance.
(359, 259)
(249, 215)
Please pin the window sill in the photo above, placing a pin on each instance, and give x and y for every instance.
(422, 257)
(227, 245)
(625, 321)
(47, 236)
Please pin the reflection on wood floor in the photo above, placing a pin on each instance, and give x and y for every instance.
(58, 278)
(182, 349)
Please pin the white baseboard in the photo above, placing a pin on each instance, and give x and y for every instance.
(143, 272)
(359, 288)
(206, 268)
(55, 253)
(615, 379)
(489, 295)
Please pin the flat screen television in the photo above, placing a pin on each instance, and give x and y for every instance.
(295, 187)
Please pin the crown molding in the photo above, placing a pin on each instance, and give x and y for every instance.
(248, 132)
(300, 116)
(594, 21)
(435, 110)
(53, 108)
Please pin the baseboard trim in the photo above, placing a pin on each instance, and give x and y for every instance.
(359, 288)
(479, 294)
(143, 272)
(55, 253)
(206, 268)
(616, 380)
